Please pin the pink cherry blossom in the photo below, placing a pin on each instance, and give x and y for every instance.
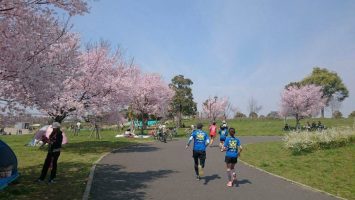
(150, 94)
(300, 102)
(214, 107)
(33, 45)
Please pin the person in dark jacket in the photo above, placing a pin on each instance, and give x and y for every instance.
(54, 145)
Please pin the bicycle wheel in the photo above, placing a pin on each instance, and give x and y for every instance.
(170, 136)
(164, 138)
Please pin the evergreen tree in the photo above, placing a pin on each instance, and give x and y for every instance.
(183, 101)
(332, 84)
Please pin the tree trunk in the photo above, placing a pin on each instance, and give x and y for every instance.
(59, 118)
(180, 116)
(98, 136)
(297, 122)
(142, 127)
(322, 112)
(97, 131)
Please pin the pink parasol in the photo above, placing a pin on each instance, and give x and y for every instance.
(47, 130)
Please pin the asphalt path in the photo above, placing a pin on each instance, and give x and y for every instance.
(165, 171)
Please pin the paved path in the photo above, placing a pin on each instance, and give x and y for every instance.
(165, 171)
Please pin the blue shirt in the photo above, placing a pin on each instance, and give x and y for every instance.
(223, 133)
(201, 140)
(232, 144)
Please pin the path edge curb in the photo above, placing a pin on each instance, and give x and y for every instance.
(92, 171)
(292, 181)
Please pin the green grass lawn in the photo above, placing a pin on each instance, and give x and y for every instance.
(78, 156)
(331, 170)
(260, 127)
(74, 164)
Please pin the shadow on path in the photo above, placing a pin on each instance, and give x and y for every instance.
(112, 182)
(243, 181)
(210, 178)
(137, 148)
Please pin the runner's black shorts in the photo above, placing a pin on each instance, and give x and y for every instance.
(199, 154)
(230, 160)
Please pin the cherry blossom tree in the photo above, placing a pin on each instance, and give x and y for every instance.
(150, 95)
(302, 101)
(77, 83)
(34, 85)
(22, 8)
(33, 43)
(214, 107)
(100, 84)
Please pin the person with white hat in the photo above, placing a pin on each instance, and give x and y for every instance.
(223, 133)
(54, 146)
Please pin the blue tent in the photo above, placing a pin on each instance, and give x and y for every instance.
(8, 165)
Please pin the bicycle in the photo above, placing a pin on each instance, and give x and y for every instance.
(172, 132)
(169, 135)
(188, 132)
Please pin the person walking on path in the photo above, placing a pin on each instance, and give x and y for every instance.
(201, 141)
(54, 145)
(223, 133)
(213, 132)
(233, 149)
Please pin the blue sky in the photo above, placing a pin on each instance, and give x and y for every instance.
(239, 49)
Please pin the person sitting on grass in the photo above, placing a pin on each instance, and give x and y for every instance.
(320, 126)
(128, 133)
(314, 126)
(233, 149)
(308, 126)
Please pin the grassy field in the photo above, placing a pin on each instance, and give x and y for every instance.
(78, 156)
(74, 165)
(271, 127)
(331, 170)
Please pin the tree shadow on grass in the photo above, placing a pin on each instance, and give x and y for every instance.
(112, 182)
(210, 178)
(94, 146)
(70, 183)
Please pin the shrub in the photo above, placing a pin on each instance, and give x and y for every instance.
(273, 115)
(305, 141)
(352, 114)
(337, 114)
(253, 115)
(240, 115)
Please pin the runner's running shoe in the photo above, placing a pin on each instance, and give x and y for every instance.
(230, 184)
(200, 170)
(234, 177)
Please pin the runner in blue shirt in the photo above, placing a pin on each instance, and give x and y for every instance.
(223, 133)
(201, 140)
(233, 149)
